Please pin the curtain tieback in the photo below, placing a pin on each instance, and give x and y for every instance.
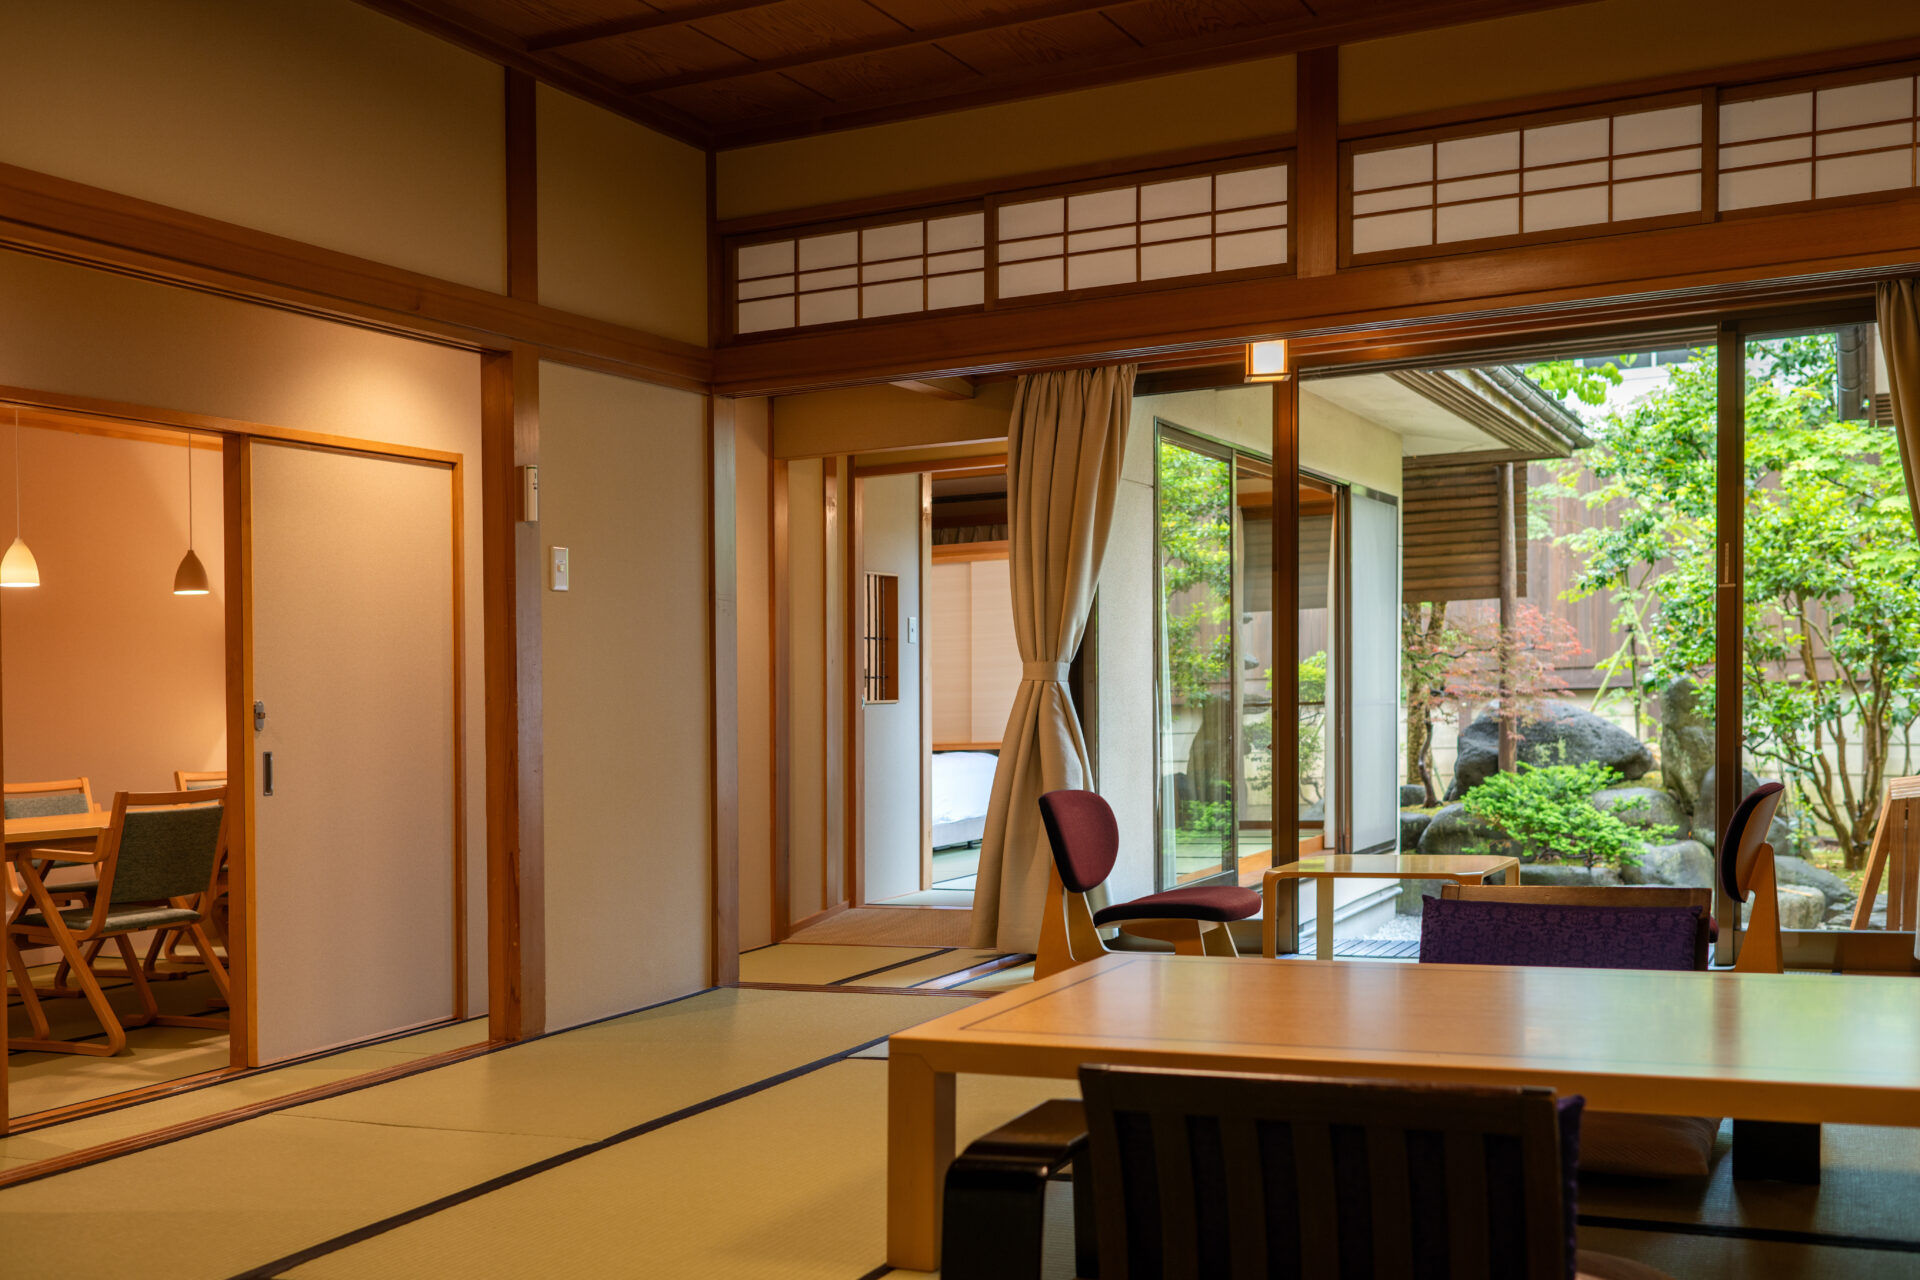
(1055, 671)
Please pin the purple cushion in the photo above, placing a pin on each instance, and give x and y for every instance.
(1220, 902)
(1083, 835)
(1463, 931)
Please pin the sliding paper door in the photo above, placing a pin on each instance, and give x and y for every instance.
(353, 651)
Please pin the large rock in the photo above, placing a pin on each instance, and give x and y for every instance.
(1799, 908)
(1413, 825)
(1685, 863)
(1642, 807)
(1564, 873)
(1412, 795)
(1686, 740)
(1556, 734)
(1788, 869)
(1455, 831)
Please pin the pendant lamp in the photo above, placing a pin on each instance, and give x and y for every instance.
(190, 579)
(18, 568)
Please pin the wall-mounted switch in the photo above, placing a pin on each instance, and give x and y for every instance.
(913, 629)
(557, 570)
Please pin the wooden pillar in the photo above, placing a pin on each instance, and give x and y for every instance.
(1730, 461)
(723, 682)
(1286, 654)
(1509, 589)
(1317, 152)
(516, 839)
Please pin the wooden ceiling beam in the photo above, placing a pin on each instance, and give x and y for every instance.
(443, 19)
(588, 32)
(1241, 44)
(892, 40)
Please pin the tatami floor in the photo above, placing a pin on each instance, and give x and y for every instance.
(735, 1133)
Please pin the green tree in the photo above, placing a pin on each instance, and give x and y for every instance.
(1196, 572)
(1831, 614)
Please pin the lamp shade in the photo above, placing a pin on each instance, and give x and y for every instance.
(190, 579)
(18, 568)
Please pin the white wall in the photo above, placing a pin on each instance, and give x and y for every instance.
(623, 220)
(806, 691)
(314, 119)
(892, 525)
(623, 668)
(1341, 445)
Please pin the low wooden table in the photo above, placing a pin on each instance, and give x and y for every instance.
(1466, 868)
(1803, 1048)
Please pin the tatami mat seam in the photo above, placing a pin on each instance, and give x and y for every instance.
(496, 1183)
(897, 964)
(1770, 1235)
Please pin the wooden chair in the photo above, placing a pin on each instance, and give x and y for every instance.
(1085, 841)
(1618, 1142)
(1203, 1174)
(1895, 857)
(46, 799)
(167, 943)
(157, 859)
(1744, 863)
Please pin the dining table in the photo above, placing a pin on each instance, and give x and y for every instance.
(1795, 1048)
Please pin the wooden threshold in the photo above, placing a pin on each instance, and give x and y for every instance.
(219, 1120)
(859, 991)
(950, 980)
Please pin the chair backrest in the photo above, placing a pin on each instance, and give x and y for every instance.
(1083, 835)
(1746, 832)
(46, 799)
(1600, 895)
(1207, 1174)
(189, 780)
(161, 845)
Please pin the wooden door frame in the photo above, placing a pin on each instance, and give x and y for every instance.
(236, 439)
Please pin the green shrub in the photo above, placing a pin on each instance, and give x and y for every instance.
(1550, 810)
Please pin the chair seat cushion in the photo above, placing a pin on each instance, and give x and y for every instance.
(128, 921)
(1220, 903)
(1647, 1146)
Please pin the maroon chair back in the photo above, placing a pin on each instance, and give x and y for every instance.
(1201, 1174)
(1084, 837)
(1746, 832)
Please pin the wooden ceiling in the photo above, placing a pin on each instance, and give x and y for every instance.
(722, 73)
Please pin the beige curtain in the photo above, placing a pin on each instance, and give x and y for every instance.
(1900, 336)
(1064, 448)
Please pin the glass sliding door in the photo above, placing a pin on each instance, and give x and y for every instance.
(1253, 589)
(1316, 803)
(1197, 662)
(1831, 629)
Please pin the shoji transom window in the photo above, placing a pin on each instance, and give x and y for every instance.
(1818, 143)
(1160, 230)
(924, 264)
(1557, 175)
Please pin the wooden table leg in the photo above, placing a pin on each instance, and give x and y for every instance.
(1323, 927)
(1511, 875)
(919, 1149)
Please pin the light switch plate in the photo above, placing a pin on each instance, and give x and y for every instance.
(557, 569)
(913, 629)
